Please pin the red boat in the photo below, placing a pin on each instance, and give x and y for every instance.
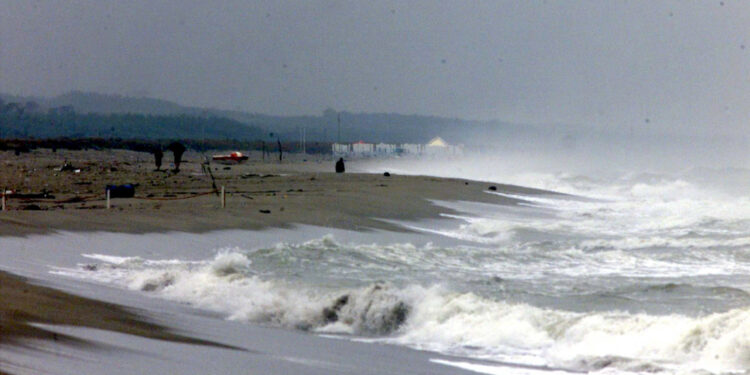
(234, 157)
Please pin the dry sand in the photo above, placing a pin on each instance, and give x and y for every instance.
(259, 194)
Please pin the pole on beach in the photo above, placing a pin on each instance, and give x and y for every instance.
(3, 199)
(223, 197)
(108, 205)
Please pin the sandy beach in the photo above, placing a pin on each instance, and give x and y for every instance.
(259, 194)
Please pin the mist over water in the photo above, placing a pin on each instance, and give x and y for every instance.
(644, 266)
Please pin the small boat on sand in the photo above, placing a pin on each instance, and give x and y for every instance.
(235, 157)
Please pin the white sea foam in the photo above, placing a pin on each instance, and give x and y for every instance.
(435, 318)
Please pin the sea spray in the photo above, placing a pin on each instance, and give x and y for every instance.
(438, 318)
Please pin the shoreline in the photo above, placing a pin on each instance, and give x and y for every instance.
(259, 195)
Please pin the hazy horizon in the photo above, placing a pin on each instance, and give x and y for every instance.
(674, 66)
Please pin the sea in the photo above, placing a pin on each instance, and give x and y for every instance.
(618, 272)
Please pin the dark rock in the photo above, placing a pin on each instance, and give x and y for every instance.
(493, 188)
(265, 211)
(386, 174)
(330, 314)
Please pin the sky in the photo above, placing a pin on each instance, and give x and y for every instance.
(676, 65)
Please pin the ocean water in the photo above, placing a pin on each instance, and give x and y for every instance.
(629, 273)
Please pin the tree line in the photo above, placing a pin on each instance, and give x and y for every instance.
(25, 120)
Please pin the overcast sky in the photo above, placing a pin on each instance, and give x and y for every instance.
(681, 65)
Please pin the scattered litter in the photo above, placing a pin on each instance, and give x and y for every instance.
(75, 199)
(121, 191)
(68, 167)
(43, 195)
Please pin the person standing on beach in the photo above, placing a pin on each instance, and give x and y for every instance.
(340, 166)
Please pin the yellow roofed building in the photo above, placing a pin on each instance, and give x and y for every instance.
(438, 146)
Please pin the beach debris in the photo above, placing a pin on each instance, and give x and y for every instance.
(90, 267)
(493, 187)
(207, 170)
(340, 166)
(31, 207)
(121, 191)
(43, 195)
(67, 167)
(75, 199)
(331, 314)
(234, 157)
(265, 211)
(386, 174)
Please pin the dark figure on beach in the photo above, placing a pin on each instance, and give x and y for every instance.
(280, 151)
(177, 149)
(340, 166)
(158, 155)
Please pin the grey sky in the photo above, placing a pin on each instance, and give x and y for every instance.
(681, 65)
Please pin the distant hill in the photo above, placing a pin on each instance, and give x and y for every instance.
(370, 127)
(25, 121)
(101, 103)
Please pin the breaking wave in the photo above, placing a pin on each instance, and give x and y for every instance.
(434, 317)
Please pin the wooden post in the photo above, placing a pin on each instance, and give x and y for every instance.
(3, 206)
(108, 205)
(223, 197)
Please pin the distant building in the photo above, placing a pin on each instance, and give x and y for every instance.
(363, 149)
(436, 147)
(411, 149)
(340, 149)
